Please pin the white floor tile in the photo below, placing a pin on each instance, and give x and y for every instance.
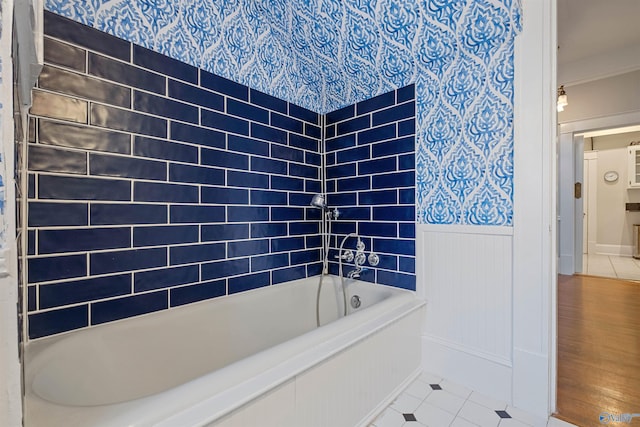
(406, 403)
(445, 400)
(486, 401)
(433, 416)
(390, 418)
(461, 422)
(554, 422)
(419, 389)
(430, 378)
(455, 388)
(510, 422)
(526, 417)
(478, 414)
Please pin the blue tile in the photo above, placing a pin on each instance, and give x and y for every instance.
(287, 153)
(341, 114)
(224, 195)
(249, 282)
(353, 213)
(393, 180)
(353, 125)
(312, 186)
(199, 292)
(399, 280)
(397, 146)
(260, 164)
(341, 199)
(197, 135)
(161, 149)
(84, 239)
(312, 131)
(32, 303)
(353, 154)
(42, 158)
(266, 197)
(400, 112)
(345, 141)
(76, 33)
(66, 293)
(222, 85)
(31, 242)
(299, 228)
(313, 214)
(394, 213)
(197, 253)
(369, 167)
(330, 131)
(164, 278)
(378, 229)
(126, 167)
(303, 142)
(286, 123)
(31, 186)
(87, 138)
(388, 262)
(376, 103)
(314, 269)
(304, 171)
(287, 214)
(197, 214)
(340, 171)
(313, 241)
(137, 259)
(224, 232)
(268, 133)
(121, 308)
(247, 247)
(268, 229)
(247, 111)
(120, 72)
(407, 127)
(118, 119)
(195, 95)
(42, 214)
(224, 159)
(312, 158)
(377, 134)
(163, 64)
(63, 54)
(224, 122)
(165, 235)
(159, 192)
(56, 268)
(392, 246)
(270, 102)
(196, 174)
(408, 265)
(407, 230)
(354, 184)
(112, 214)
(164, 107)
(407, 196)
(345, 227)
(248, 145)
(303, 113)
(57, 321)
(406, 93)
(287, 244)
(217, 270)
(247, 179)
(288, 274)
(269, 262)
(406, 162)
(305, 257)
(247, 213)
(68, 188)
(383, 197)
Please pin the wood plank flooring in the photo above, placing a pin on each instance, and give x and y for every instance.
(598, 349)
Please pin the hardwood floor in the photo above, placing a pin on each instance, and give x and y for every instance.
(598, 349)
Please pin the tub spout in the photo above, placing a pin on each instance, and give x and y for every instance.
(355, 273)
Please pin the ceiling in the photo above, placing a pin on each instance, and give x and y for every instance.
(589, 28)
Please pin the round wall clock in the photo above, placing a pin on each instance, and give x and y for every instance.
(611, 176)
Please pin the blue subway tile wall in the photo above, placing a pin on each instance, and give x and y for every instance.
(371, 181)
(153, 184)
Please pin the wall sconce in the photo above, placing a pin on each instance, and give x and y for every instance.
(562, 99)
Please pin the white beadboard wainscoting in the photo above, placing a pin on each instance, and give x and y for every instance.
(465, 274)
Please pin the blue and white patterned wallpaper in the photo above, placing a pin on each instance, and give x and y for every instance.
(325, 54)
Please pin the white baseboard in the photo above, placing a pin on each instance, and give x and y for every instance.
(468, 368)
(531, 382)
(617, 250)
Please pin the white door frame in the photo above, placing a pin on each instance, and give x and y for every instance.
(591, 208)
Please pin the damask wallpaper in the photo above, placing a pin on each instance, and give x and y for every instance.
(324, 54)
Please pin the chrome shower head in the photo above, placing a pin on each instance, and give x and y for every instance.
(319, 202)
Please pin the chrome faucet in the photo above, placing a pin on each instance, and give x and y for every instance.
(355, 273)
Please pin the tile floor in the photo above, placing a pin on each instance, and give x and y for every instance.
(618, 267)
(435, 402)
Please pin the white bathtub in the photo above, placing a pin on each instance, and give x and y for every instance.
(250, 359)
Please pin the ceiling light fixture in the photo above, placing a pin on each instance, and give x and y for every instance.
(562, 99)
